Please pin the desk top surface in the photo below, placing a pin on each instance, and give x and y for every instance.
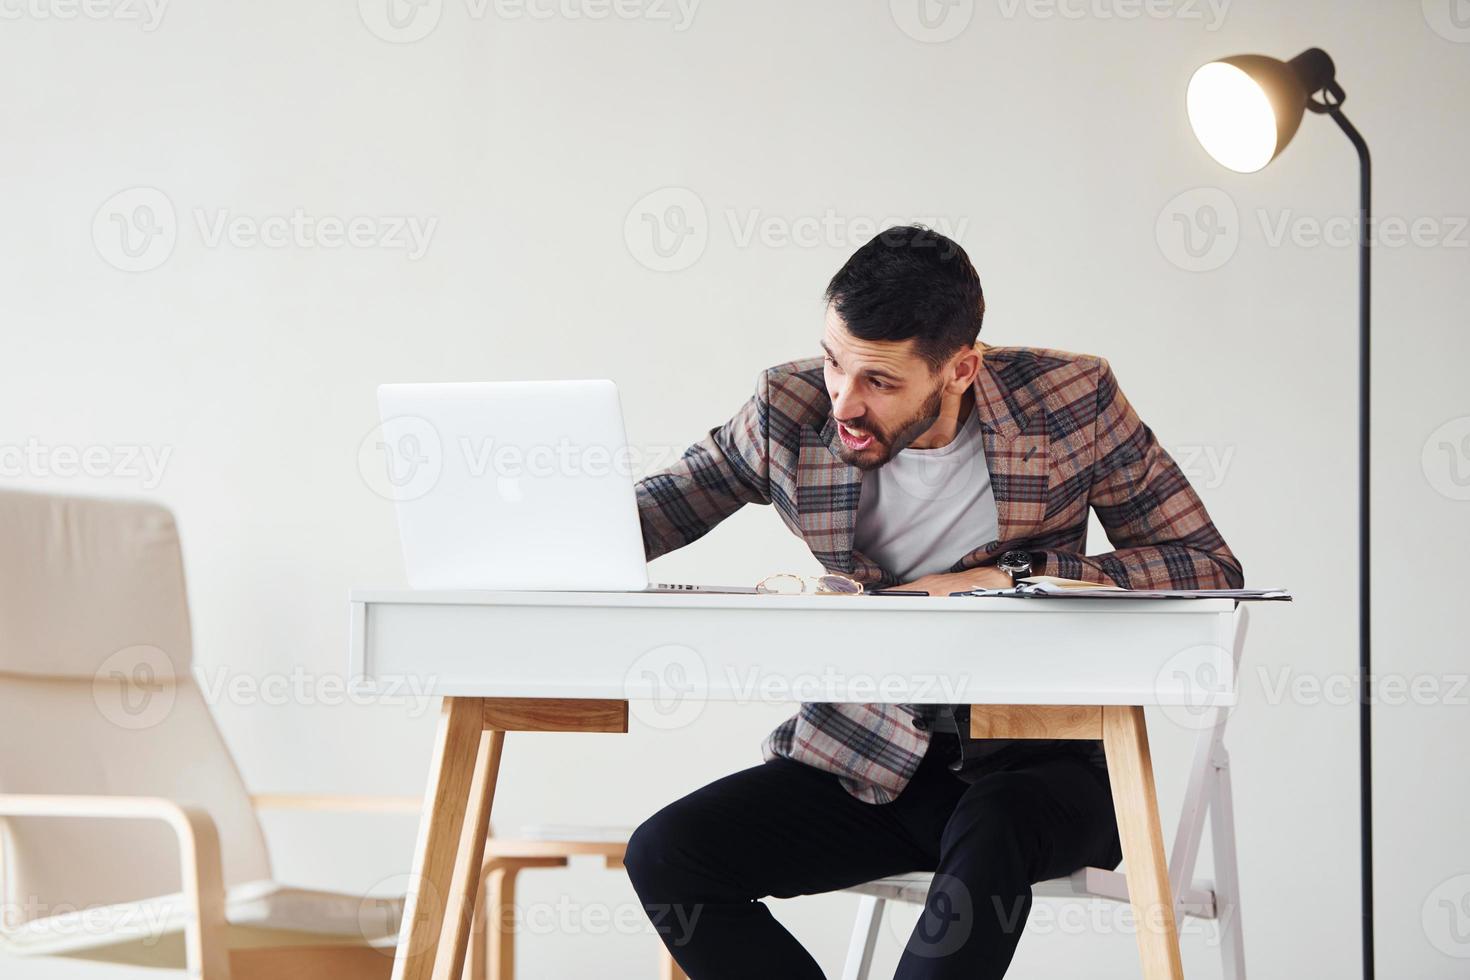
(766, 602)
(929, 649)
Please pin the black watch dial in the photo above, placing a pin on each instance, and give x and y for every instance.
(1017, 563)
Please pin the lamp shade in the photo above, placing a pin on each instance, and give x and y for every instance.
(1245, 109)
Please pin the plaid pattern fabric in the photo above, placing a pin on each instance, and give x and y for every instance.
(1059, 437)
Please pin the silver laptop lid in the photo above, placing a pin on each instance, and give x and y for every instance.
(512, 485)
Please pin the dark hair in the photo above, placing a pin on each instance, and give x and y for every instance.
(911, 282)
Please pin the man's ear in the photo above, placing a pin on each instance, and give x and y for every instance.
(964, 367)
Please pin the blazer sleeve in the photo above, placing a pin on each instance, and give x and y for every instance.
(1163, 537)
(715, 477)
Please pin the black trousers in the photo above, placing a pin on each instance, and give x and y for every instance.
(701, 864)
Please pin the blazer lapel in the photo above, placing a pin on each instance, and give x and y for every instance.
(1016, 452)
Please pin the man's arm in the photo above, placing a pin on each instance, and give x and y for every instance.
(715, 477)
(1163, 536)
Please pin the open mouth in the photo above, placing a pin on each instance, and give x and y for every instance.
(854, 440)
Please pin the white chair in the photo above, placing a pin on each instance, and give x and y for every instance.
(1208, 792)
(128, 835)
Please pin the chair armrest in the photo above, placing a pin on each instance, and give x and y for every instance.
(200, 869)
(340, 803)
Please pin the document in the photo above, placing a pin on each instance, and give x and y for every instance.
(1051, 587)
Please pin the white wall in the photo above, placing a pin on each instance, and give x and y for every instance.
(1050, 138)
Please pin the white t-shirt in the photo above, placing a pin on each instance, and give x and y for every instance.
(925, 509)
(918, 514)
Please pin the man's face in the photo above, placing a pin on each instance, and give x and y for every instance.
(884, 395)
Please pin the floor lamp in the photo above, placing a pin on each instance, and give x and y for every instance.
(1244, 110)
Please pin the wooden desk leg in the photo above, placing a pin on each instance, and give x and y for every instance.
(438, 915)
(459, 912)
(456, 748)
(1131, 772)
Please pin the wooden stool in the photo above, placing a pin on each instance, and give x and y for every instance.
(492, 940)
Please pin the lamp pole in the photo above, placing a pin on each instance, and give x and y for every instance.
(1333, 107)
(1365, 605)
(1244, 110)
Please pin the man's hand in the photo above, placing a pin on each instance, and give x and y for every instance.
(986, 577)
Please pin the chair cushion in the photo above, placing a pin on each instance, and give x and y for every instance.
(255, 906)
(913, 887)
(88, 586)
(1088, 883)
(64, 737)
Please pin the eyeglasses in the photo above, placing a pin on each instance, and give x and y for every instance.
(786, 583)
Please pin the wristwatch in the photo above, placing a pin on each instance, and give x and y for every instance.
(1016, 564)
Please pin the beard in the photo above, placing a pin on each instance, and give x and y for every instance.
(888, 444)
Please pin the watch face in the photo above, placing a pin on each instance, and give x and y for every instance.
(1015, 561)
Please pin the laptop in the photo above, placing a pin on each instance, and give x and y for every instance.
(522, 485)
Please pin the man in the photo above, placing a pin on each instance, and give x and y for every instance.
(911, 456)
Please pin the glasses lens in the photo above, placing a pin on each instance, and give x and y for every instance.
(781, 584)
(840, 584)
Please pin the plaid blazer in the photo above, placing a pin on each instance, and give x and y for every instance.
(1059, 437)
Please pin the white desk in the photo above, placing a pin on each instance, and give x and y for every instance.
(571, 661)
